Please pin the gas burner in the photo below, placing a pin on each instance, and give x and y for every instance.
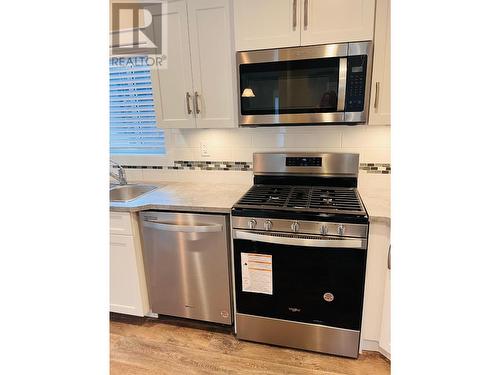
(309, 198)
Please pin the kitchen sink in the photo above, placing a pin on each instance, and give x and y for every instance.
(125, 193)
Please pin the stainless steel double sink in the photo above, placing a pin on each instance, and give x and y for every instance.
(125, 193)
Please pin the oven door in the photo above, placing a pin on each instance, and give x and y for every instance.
(308, 279)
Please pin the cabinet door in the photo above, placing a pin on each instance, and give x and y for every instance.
(376, 266)
(125, 292)
(385, 327)
(261, 24)
(173, 84)
(333, 21)
(213, 63)
(380, 103)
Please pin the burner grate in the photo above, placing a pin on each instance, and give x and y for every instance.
(341, 199)
(308, 198)
(275, 196)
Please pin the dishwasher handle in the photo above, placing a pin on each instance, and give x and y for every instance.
(183, 228)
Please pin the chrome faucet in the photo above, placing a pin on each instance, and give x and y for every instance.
(120, 176)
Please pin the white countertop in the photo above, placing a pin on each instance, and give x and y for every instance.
(186, 196)
(219, 198)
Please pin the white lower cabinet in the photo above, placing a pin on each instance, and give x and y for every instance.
(375, 284)
(128, 294)
(385, 326)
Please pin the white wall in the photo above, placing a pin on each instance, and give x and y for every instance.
(371, 142)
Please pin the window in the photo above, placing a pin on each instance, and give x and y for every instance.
(133, 128)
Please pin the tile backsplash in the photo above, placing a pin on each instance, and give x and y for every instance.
(228, 153)
(371, 142)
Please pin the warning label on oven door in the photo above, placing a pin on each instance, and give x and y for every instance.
(257, 273)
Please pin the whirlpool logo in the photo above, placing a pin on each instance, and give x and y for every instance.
(294, 309)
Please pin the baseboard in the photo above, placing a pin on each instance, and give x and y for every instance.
(385, 353)
(373, 346)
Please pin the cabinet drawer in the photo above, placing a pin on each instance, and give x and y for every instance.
(120, 223)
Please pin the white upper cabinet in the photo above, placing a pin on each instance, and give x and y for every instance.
(212, 63)
(197, 87)
(332, 21)
(261, 24)
(173, 84)
(380, 103)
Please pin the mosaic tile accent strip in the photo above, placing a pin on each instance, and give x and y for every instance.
(212, 165)
(140, 166)
(383, 168)
(200, 165)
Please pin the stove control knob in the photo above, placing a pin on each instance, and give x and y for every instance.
(341, 229)
(295, 226)
(268, 225)
(323, 230)
(252, 223)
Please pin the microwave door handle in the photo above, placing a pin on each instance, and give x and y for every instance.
(342, 84)
(182, 228)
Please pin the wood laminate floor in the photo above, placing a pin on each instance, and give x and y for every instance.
(169, 346)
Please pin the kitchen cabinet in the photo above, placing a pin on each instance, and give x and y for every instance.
(327, 21)
(375, 283)
(385, 326)
(197, 88)
(261, 24)
(128, 294)
(380, 103)
(287, 23)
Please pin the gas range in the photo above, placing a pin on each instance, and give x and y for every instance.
(300, 240)
(310, 189)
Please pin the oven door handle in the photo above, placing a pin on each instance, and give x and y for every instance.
(352, 243)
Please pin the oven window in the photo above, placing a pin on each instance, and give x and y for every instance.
(301, 86)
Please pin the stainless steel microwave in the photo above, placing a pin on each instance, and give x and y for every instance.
(325, 84)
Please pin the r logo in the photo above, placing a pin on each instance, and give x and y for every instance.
(136, 28)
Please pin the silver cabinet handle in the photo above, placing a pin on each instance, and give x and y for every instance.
(342, 84)
(377, 91)
(182, 228)
(196, 104)
(306, 14)
(187, 103)
(354, 243)
(389, 258)
(294, 14)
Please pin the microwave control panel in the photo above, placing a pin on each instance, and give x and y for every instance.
(356, 84)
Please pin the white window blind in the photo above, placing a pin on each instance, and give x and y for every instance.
(132, 115)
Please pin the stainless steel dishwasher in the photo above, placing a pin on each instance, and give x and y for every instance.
(187, 265)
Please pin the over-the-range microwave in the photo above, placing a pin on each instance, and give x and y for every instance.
(324, 84)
